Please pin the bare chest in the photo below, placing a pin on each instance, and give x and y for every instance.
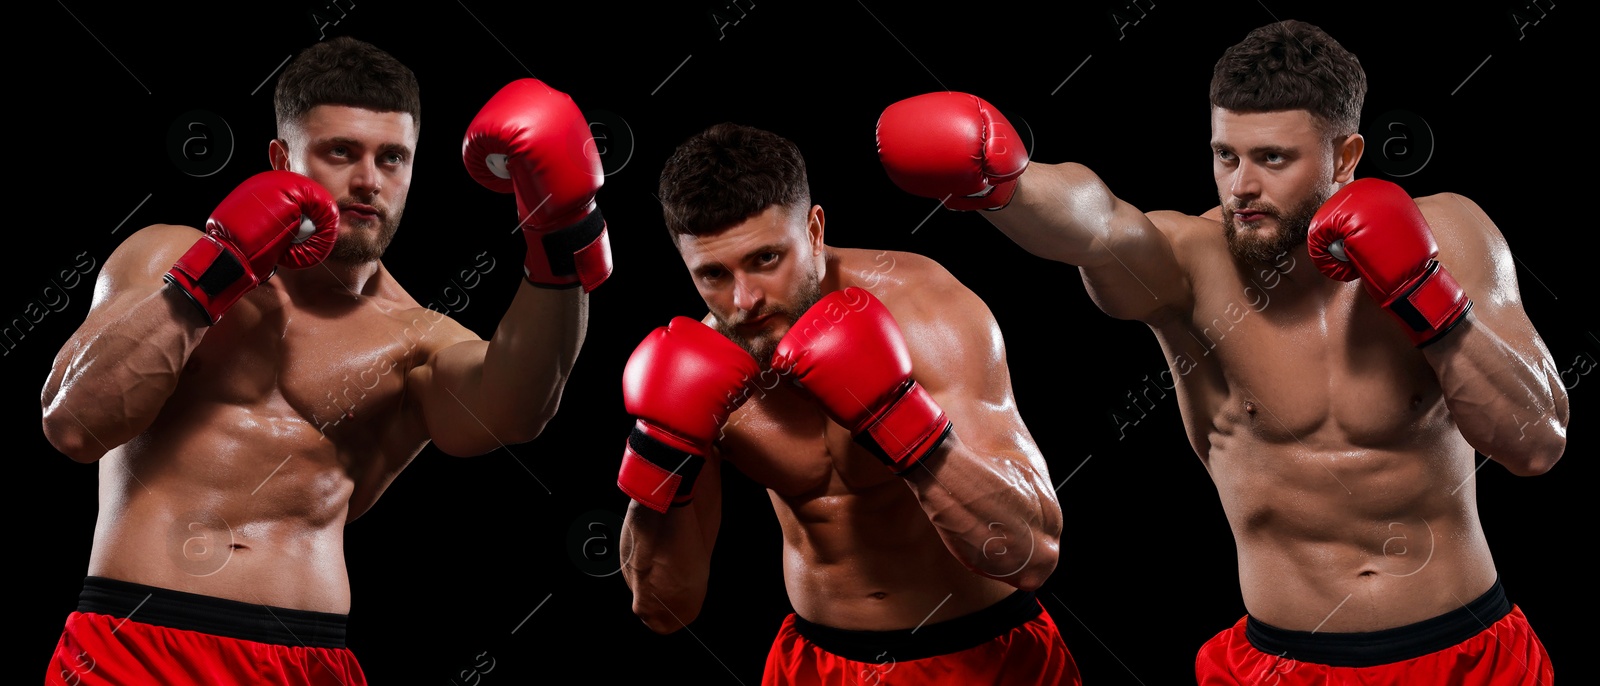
(781, 439)
(1325, 373)
(338, 372)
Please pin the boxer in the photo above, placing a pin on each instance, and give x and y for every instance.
(1339, 423)
(250, 389)
(868, 391)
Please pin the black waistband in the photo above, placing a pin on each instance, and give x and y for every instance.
(1386, 646)
(930, 640)
(215, 616)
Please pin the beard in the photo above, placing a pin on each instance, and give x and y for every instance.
(360, 246)
(761, 346)
(1252, 246)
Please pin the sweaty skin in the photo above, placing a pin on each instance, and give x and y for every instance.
(273, 441)
(231, 457)
(1339, 468)
(1344, 456)
(865, 549)
(859, 552)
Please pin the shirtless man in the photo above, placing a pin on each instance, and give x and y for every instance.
(919, 572)
(249, 390)
(1338, 416)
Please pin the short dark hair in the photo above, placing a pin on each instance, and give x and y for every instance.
(1292, 65)
(727, 174)
(345, 71)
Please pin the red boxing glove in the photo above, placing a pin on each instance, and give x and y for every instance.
(848, 353)
(681, 383)
(951, 146)
(273, 218)
(531, 139)
(1372, 230)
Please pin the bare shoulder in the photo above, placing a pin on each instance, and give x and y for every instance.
(1187, 230)
(141, 259)
(901, 280)
(1455, 216)
(945, 324)
(1470, 245)
(1197, 242)
(432, 329)
(153, 248)
(436, 329)
(162, 232)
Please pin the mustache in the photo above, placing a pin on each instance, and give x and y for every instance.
(1265, 208)
(752, 316)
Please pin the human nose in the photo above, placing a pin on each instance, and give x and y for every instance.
(365, 181)
(1245, 181)
(747, 295)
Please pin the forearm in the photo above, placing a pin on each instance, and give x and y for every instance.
(996, 514)
(1509, 405)
(1060, 212)
(666, 562)
(112, 377)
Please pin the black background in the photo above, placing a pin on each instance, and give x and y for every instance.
(447, 568)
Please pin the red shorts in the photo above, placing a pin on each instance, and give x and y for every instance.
(129, 634)
(1486, 643)
(1011, 643)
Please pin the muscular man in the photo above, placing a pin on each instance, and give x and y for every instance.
(1341, 416)
(251, 389)
(868, 391)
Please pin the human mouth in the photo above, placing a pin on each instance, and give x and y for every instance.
(359, 211)
(1247, 216)
(755, 323)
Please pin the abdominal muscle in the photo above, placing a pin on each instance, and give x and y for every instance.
(1348, 487)
(872, 561)
(228, 516)
(1355, 540)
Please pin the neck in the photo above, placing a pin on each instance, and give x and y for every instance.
(332, 278)
(830, 281)
(1292, 275)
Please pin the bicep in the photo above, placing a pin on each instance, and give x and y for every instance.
(137, 268)
(1141, 278)
(1065, 213)
(969, 377)
(132, 273)
(91, 365)
(964, 369)
(444, 387)
(1477, 255)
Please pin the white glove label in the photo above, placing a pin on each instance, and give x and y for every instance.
(497, 164)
